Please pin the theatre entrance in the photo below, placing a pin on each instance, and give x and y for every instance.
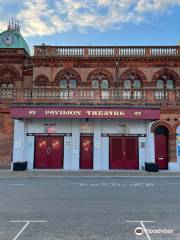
(123, 153)
(49, 152)
(86, 152)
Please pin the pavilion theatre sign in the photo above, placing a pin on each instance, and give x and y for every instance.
(82, 112)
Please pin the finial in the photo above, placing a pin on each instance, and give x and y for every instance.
(14, 24)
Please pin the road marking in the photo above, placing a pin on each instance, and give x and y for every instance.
(16, 184)
(27, 223)
(114, 184)
(143, 226)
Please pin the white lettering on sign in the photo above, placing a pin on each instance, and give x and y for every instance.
(63, 112)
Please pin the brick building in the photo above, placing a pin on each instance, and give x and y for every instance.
(88, 107)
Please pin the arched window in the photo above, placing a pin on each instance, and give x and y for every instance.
(169, 84)
(104, 84)
(72, 83)
(127, 84)
(63, 83)
(160, 84)
(95, 84)
(7, 85)
(137, 84)
(67, 78)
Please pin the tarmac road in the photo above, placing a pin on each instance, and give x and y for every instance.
(90, 208)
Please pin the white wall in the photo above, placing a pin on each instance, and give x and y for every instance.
(19, 141)
(72, 144)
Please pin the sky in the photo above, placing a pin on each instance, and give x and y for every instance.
(95, 22)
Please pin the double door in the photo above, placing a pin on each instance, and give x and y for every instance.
(124, 153)
(49, 152)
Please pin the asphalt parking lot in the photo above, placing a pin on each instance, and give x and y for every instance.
(90, 208)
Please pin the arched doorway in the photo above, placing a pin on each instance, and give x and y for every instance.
(161, 147)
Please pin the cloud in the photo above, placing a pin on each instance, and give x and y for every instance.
(46, 17)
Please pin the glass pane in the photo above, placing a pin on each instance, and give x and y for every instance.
(4, 85)
(127, 84)
(72, 83)
(95, 84)
(10, 85)
(169, 84)
(63, 84)
(104, 84)
(160, 84)
(137, 84)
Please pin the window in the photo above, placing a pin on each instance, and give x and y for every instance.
(72, 83)
(104, 84)
(137, 84)
(127, 84)
(169, 84)
(160, 84)
(63, 83)
(6, 85)
(95, 84)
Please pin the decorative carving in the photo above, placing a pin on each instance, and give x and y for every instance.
(165, 74)
(132, 74)
(41, 81)
(9, 74)
(100, 75)
(67, 74)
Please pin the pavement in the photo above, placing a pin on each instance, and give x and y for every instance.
(85, 173)
(89, 208)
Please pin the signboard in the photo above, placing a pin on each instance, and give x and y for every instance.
(36, 112)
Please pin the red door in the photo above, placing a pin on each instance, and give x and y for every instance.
(86, 152)
(124, 153)
(161, 150)
(49, 152)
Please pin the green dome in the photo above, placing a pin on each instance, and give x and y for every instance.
(12, 38)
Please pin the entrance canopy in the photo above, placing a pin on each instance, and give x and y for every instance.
(58, 112)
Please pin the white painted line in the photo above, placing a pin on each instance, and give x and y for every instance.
(140, 221)
(16, 184)
(143, 227)
(27, 222)
(21, 231)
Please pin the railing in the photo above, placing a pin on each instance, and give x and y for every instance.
(115, 95)
(108, 51)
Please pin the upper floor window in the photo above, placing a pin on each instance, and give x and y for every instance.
(72, 83)
(137, 84)
(7, 85)
(132, 82)
(160, 84)
(104, 84)
(169, 84)
(67, 78)
(63, 83)
(127, 84)
(95, 84)
(165, 79)
(164, 82)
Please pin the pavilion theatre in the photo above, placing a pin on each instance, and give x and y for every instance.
(98, 108)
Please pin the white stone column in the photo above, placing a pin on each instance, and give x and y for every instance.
(19, 141)
(105, 153)
(30, 146)
(75, 157)
(150, 149)
(97, 159)
(67, 153)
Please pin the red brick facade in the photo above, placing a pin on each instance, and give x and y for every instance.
(35, 79)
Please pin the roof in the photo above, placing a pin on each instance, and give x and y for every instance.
(12, 38)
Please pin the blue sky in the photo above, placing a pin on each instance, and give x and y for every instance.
(95, 22)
